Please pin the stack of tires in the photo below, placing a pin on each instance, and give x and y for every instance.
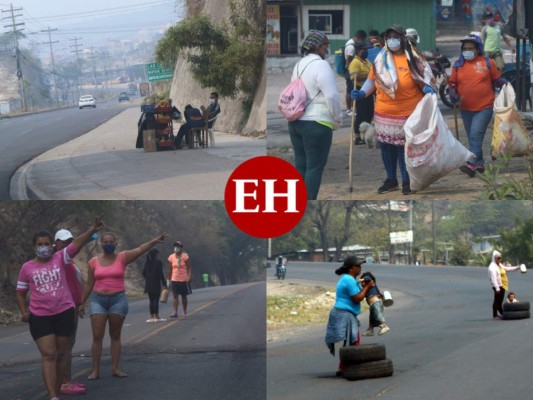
(366, 361)
(516, 310)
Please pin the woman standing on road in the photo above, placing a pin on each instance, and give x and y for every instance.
(343, 324)
(106, 286)
(312, 134)
(400, 76)
(180, 273)
(471, 84)
(153, 279)
(51, 312)
(499, 282)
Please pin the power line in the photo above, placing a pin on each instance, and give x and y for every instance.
(16, 31)
(52, 55)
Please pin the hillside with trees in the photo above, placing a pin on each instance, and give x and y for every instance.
(214, 244)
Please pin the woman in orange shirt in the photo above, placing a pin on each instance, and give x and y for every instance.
(400, 76)
(472, 83)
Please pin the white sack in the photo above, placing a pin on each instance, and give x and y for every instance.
(431, 150)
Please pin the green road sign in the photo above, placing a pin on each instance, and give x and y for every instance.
(157, 73)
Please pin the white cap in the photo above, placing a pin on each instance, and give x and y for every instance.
(63, 235)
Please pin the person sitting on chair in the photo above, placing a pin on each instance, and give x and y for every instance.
(213, 109)
(194, 119)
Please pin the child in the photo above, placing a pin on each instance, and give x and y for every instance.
(375, 314)
(511, 298)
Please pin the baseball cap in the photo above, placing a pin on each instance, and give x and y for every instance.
(63, 235)
(396, 28)
(353, 260)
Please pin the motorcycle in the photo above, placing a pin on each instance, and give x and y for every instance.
(438, 66)
(281, 271)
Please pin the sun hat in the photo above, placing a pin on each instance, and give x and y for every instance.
(63, 235)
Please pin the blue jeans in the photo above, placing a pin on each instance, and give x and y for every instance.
(109, 304)
(393, 155)
(476, 123)
(311, 142)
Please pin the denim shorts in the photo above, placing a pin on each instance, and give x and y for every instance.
(112, 304)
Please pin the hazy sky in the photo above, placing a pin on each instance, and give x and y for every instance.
(94, 21)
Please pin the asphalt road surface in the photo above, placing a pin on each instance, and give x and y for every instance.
(28, 136)
(217, 352)
(443, 342)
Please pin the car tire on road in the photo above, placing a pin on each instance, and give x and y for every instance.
(515, 315)
(352, 355)
(368, 370)
(524, 306)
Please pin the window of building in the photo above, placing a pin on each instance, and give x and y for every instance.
(328, 21)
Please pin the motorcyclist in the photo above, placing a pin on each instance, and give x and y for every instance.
(279, 265)
(412, 35)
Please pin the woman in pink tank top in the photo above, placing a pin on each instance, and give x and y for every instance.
(108, 301)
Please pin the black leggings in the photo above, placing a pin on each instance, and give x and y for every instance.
(498, 301)
(365, 112)
(154, 302)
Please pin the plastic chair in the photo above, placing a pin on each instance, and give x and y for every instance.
(210, 125)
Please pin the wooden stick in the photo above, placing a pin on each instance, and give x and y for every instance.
(351, 146)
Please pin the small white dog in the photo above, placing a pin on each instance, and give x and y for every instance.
(370, 135)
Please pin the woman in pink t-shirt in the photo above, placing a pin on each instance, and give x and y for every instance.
(51, 311)
(180, 274)
(106, 286)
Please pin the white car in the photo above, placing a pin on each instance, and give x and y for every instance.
(87, 101)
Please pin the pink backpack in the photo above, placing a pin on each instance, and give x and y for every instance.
(293, 99)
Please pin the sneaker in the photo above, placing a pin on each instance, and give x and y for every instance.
(496, 318)
(359, 141)
(160, 320)
(384, 329)
(175, 315)
(468, 169)
(388, 186)
(348, 113)
(480, 169)
(150, 320)
(369, 332)
(72, 389)
(406, 188)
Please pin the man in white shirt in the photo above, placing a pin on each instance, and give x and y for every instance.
(349, 54)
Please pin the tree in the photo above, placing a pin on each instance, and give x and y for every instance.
(228, 57)
(517, 243)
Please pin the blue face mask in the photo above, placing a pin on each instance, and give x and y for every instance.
(364, 55)
(109, 248)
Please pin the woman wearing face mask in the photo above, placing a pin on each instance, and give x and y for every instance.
(312, 134)
(474, 77)
(51, 312)
(400, 76)
(180, 273)
(106, 286)
(359, 69)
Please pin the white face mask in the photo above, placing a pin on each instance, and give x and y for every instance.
(393, 44)
(177, 249)
(469, 55)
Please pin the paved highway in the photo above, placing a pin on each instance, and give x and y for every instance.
(25, 137)
(443, 341)
(217, 352)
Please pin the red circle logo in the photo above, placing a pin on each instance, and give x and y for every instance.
(265, 197)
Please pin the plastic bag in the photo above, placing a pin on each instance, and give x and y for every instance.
(431, 151)
(509, 134)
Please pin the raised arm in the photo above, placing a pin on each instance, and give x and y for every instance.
(359, 297)
(132, 255)
(82, 239)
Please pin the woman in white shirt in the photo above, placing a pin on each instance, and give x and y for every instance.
(312, 134)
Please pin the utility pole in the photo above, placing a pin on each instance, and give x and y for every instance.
(52, 55)
(434, 232)
(77, 51)
(23, 104)
(93, 57)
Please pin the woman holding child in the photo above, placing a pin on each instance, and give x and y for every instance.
(499, 282)
(343, 324)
